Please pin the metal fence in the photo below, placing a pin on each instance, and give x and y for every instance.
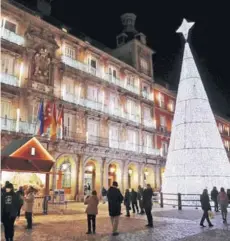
(179, 200)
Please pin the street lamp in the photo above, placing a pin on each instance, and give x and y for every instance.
(112, 169)
(146, 172)
(130, 171)
(90, 168)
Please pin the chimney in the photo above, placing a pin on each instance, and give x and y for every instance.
(128, 21)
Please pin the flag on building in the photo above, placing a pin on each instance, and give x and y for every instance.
(41, 118)
(60, 123)
(53, 125)
(48, 117)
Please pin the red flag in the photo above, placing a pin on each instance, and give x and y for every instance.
(53, 126)
(47, 117)
(60, 122)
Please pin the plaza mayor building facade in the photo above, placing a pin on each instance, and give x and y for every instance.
(116, 120)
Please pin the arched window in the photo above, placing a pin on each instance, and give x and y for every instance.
(65, 168)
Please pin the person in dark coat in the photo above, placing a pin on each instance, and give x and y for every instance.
(9, 210)
(147, 204)
(205, 204)
(20, 194)
(127, 202)
(134, 201)
(104, 195)
(140, 199)
(214, 195)
(115, 199)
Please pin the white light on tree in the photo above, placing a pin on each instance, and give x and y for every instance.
(196, 157)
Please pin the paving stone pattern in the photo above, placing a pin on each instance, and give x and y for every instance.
(169, 225)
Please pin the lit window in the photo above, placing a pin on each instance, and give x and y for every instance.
(162, 121)
(227, 144)
(220, 127)
(6, 107)
(161, 100)
(171, 105)
(69, 52)
(114, 136)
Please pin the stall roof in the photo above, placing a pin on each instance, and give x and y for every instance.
(26, 155)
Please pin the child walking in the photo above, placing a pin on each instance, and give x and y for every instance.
(92, 210)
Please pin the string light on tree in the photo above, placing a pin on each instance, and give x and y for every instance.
(196, 158)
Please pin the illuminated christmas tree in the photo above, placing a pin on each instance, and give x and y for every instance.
(196, 158)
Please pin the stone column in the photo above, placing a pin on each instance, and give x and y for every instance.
(80, 178)
(105, 182)
(103, 169)
(158, 176)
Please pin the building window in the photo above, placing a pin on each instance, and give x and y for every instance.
(7, 62)
(65, 168)
(113, 102)
(171, 105)
(8, 25)
(114, 136)
(162, 121)
(92, 132)
(68, 125)
(226, 129)
(34, 116)
(164, 148)
(220, 127)
(161, 100)
(92, 93)
(6, 107)
(70, 52)
(69, 85)
(131, 80)
(132, 140)
(112, 72)
(227, 144)
(133, 109)
(144, 65)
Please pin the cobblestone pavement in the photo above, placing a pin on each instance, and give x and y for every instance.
(169, 225)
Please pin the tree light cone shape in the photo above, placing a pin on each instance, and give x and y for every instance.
(196, 158)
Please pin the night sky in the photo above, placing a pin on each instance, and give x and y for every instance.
(158, 20)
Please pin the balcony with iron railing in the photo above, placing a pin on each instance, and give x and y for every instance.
(9, 79)
(149, 123)
(98, 106)
(11, 36)
(11, 125)
(146, 95)
(104, 76)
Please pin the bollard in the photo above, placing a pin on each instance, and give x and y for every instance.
(179, 202)
(161, 200)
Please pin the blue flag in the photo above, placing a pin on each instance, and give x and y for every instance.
(41, 118)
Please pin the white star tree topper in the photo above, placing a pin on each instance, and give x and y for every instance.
(184, 28)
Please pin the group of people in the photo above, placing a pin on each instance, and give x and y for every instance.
(140, 201)
(11, 204)
(221, 199)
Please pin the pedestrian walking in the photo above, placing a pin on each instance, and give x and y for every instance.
(206, 207)
(134, 201)
(20, 194)
(214, 194)
(223, 201)
(9, 210)
(140, 199)
(115, 199)
(147, 204)
(127, 202)
(28, 206)
(92, 210)
(104, 195)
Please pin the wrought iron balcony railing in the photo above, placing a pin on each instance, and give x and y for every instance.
(11, 36)
(106, 77)
(9, 79)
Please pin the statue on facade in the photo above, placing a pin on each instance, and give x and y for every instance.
(42, 61)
